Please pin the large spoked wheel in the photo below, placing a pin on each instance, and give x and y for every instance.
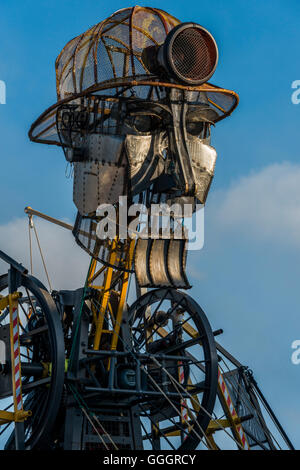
(42, 363)
(182, 366)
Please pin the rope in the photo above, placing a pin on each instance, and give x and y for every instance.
(32, 226)
(30, 222)
(172, 404)
(84, 407)
(92, 424)
(199, 404)
(42, 256)
(105, 432)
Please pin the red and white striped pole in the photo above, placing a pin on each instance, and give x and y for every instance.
(15, 352)
(184, 409)
(240, 434)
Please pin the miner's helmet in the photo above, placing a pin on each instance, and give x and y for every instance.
(136, 52)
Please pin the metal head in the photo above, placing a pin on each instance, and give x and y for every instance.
(134, 108)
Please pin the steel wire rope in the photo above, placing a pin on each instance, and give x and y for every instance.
(83, 405)
(87, 416)
(274, 422)
(30, 242)
(42, 256)
(199, 404)
(172, 404)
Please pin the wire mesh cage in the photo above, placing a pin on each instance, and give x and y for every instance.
(106, 61)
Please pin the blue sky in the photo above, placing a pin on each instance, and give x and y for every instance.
(247, 275)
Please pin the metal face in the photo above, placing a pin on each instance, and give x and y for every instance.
(145, 157)
(134, 143)
(101, 176)
(203, 159)
(96, 183)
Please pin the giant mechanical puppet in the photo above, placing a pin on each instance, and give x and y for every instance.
(133, 117)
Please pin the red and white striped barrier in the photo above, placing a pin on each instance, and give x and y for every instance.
(16, 368)
(231, 409)
(184, 411)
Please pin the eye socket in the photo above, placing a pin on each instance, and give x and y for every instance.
(67, 120)
(142, 122)
(74, 120)
(195, 128)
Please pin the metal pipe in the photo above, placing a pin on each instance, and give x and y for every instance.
(135, 355)
(123, 391)
(13, 263)
(29, 211)
(32, 369)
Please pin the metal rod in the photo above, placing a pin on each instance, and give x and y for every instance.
(123, 391)
(229, 356)
(136, 355)
(266, 404)
(13, 263)
(29, 211)
(32, 369)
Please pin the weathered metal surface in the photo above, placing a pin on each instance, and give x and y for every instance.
(102, 176)
(95, 184)
(203, 158)
(177, 254)
(145, 156)
(141, 266)
(158, 263)
(161, 263)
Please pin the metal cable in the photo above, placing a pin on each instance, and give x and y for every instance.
(190, 396)
(42, 256)
(194, 419)
(105, 432)
(245, 399)
(85, 407)
(199, 404)
(172, 404)
(30, 242)
(270, 416)
(92, 424)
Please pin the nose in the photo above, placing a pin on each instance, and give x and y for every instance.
(178, 145)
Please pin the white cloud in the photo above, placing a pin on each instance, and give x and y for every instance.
(263, 206)
(67, 263)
